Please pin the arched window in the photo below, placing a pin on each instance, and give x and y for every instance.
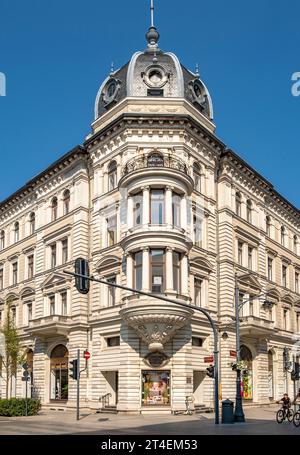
(197, 176)
(32, 223)
(17, 231)
(66, 201)
(249, 211)
(112, 176)
(295, 244)
(247, 373)
(2, 240)
(268, 226)
(282, 234)
(238, 203)
(155, 160)
(54, 206)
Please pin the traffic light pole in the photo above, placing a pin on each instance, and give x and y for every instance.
(185, 305)
(78, 385)
(239, 415)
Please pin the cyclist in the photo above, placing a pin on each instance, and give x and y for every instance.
(286, 401)
(297, 400)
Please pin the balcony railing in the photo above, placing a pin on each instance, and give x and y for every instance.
(154, 161)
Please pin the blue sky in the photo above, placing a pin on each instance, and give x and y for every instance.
(55, 55)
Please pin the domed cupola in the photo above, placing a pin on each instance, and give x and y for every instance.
(156, 74)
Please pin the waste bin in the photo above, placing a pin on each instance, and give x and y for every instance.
(227, 411)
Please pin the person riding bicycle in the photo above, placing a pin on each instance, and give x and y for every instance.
(286, 401)
(297, 399)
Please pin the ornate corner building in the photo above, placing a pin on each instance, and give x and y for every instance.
(156, 202)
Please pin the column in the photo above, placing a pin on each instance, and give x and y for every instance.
(184, 275)
(129, 270)
(169, 270)
(183, 214)
(146, 268)
(103, 230)
(168, 206)
(146, 204)
(129, 212)
(118, 223)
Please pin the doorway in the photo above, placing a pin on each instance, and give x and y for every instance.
(59, 379)
(112, 386)
(198, 382)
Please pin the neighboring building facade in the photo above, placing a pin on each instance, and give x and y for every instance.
(157, 202)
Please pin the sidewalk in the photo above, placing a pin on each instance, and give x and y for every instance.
(260, 421)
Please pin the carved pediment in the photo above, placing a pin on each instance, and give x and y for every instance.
(201, 264)
(249, 281)
(27, 292)
(55, 279)
(108, 263)
(287, 298)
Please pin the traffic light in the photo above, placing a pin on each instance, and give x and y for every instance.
(295, 372)
(74, 369)
(26, 375)
(82, 268)
(286, 359)
(210, 371)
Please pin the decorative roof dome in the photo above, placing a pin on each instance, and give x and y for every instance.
(153, 73)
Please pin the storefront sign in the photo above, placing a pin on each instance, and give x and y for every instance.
(232, 353)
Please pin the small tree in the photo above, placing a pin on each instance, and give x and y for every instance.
(13, 355)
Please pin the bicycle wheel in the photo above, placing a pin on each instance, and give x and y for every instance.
(290, 415)
(280, 416)
(296, 419)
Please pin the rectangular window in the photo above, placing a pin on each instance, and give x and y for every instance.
(197, 228)
(64, 251)
(285, 319)
(157, 271)
(240, 253)
(251, 305)
(112, 230)
(111, 291)
(297, 282)
(298, 323)
(64, 303)
(53, 255)
(29, 312)
(198, 292)
(13, 315)
(15, 273)
(176, 204)
(30, 266)
(176, 271)
(138, 270)
(157, 206)
(1, 279)
(270, 269)
(196, 341)
(250, 258)
(138, 209)
(284, 276)
(112, 342)
(52, 305)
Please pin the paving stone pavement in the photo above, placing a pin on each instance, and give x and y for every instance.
(260, 421)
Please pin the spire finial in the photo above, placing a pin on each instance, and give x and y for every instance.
(152, 13)
(197, 70)
(112, 68)
(152, 35)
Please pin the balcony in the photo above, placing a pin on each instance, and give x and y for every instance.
(153, 321)
(49, 326)
(253, 325)
(156, 165)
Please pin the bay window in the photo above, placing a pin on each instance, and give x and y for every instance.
(157, 271)
(176, 271)
(176, 204)
(138, 209)
(138, 270)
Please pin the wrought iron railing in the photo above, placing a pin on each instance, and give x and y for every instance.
(104, 400)
(154, 161)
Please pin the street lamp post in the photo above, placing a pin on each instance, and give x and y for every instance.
(239, 415)
(185, 305)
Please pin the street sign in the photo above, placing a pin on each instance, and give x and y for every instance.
(86, 355)
(209, 359)
(232, 353)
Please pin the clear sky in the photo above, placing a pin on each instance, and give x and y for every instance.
(55, 54)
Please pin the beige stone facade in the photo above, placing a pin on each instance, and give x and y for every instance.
(157, 202)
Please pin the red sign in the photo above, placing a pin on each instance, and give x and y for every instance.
(86, 355)
(209, 359)
(232, 353)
